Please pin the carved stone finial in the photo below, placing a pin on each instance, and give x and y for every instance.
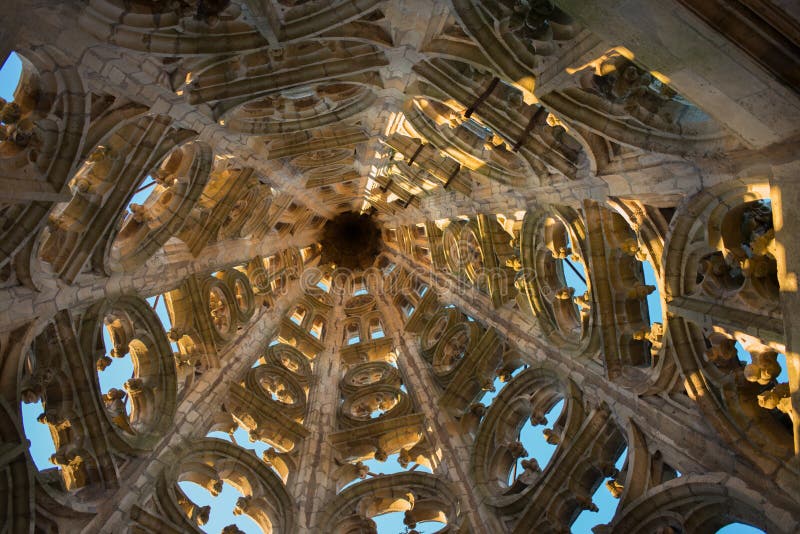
(10, 113)
(408, 519)
(586, 503)
(764, 369)
(551, 436)
(565, 293)
(531, 464)
(362, 469)
(215, 487)
(640, 291)
(517, 449)
(242, 505)
(615, 488)
(269, 455)
(778, 397)
(202, 515)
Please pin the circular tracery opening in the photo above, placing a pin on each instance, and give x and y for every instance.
(135, 368)
(198, 476)
(436, 327)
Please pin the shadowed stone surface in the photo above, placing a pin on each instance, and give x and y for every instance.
(351, 240)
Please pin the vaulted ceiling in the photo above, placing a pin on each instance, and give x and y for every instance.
(482, 156)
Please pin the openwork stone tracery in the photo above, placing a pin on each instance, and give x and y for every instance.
(347, 258)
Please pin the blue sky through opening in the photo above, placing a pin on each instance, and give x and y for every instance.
(115, 375)
(393, 524)
(38, 433)
(654, 298)
(739, 528)
(606, 504)
(534, 442)
(222, 506)
(141, 196)
(573, 279)
(9, 76)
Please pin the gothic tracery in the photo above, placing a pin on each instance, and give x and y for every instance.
(399, 266)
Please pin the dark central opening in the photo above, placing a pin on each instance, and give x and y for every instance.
(351, 240)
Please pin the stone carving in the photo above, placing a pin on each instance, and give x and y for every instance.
(207, 11)
(196, 514)
(114, 400)
(615, 487)
(531, 19)
(12, 127)
(777, 398)
(764, 369)
(495, 188)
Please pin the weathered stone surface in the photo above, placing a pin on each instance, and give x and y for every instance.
(538, 178)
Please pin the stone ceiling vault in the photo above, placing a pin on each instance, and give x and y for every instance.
(370, 232)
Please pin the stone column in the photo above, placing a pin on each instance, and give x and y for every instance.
(314, 485)
(674, 427)
(193, 417)
(785, 196)
(443, 432)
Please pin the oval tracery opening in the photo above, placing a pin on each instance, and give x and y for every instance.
(38, 433)
(606, 498)
(536, 444)
(218, 510)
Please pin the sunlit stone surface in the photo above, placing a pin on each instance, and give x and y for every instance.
(399, 266)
